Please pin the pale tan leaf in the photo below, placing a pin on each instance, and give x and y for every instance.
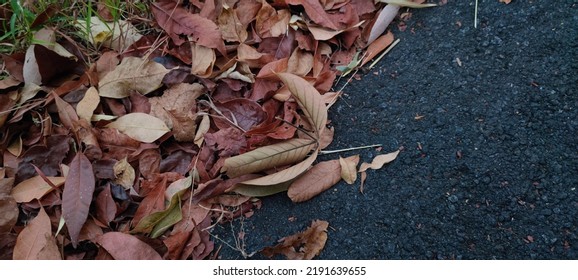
(349, 168)
(300, 62)
(34, 188)
(141, 127)
(16, 147)
(326, 138)
(319, 178)
(34, 240)
(407, 3)
(133, 73)
(267, 157)
(303, 245)
(378, 161)
(260, 191)
(382, 22)
(362, 180)
(284, 175)
(203, 60)
(202, 129)
(118, 35)
(124, 174)
(308, 99)
(85, 108)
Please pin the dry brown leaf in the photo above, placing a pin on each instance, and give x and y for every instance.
(377, 47)
(300, 62)
(35, 241)
(122, 246)
(8, 207)
(203, 59)
(319, 178)
(124, 174)
(86, 106)
(133, 73)
(349, 168)
(176, 107)
(378, 161)
(34, 188)
(308, 99)
(506, 1)
(303, 245)
(141, 127)
(202, 129)
(268, 157)
(232, 29)
(284, 175)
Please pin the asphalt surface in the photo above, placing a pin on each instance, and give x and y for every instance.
(489, 168)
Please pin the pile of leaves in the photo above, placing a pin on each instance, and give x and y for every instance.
(138, 150)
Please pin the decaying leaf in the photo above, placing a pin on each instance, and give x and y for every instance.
(35, 188)
(117, 35)
(319, 178)
(177, 108)
(349, 168)
(122, 246)
(124, 174)
(268, 157)
(140, 126)
(85, 108)
(378, 161)
(301, 246)
(8, 207)
(308, 99)
(133, 73)
(77, 195)
(35, 241)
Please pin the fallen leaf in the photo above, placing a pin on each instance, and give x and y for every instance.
(409, 3)
(177, 108)
(349, 168)
(231, 27)
(383, 20)
(267, 157)
(308, 99)
(35, 240)
(35, 188)
(177, 21)
(77, 195)
(86, 106)
(66, 112)
(105, 206)
(378, 161)
(284, 175)
(122, 246)
(319, 178)
(117, 35)
(303, 245)
(141, 127)
(506, 1)
(124, 174)
(8, 207)
(133, 73)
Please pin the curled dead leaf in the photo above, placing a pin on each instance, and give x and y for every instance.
(379, 161)
(303, 245)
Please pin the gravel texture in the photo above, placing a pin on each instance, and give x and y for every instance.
(491, 169)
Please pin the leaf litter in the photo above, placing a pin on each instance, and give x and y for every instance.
(143, 146)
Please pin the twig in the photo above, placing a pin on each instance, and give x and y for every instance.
(476, 15)
(349, 149)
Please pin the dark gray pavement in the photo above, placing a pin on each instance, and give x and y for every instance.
(496, 176)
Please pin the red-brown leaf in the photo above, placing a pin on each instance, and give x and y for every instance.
(177, 21)
(122, 246)
(35, 241)
(77, 195)
(105, 206)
